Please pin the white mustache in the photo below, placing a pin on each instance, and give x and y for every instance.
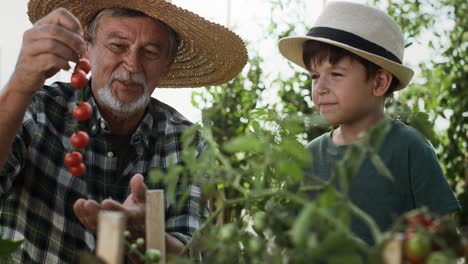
(138, 79)
(123, 75)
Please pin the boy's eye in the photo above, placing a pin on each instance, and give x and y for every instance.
(314, 76)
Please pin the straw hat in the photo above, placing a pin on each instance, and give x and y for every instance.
(362, 30)
(209, 54)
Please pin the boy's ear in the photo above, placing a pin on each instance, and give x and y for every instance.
(382, 80)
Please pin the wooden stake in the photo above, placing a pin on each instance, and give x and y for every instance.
(392, 250)
(110, 237)
(155, 225)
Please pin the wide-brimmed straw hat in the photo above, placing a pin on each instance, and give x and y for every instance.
(208, 54)
(360, 29)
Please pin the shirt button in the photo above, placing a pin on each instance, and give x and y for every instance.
(110, 154)
(103, 125)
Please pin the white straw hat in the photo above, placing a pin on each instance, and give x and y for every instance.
(360, 29)
(209, 54)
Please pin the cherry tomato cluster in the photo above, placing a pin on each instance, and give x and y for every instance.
(82, 112)
(427, 238)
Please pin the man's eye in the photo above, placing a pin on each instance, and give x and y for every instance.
(151, 54)
(117, 46)
(336, 74)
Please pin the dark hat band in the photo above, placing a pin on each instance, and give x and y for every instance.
(352, 40)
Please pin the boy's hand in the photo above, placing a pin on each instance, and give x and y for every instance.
(47, 47)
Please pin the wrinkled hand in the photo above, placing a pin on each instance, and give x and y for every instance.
(134, 209)
(47, 47)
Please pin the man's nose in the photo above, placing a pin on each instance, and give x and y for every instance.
(132, 61)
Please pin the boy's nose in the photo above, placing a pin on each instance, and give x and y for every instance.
(319, 86)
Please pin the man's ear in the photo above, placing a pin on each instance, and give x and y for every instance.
(88, 43)
(382, 80)
(168, 66)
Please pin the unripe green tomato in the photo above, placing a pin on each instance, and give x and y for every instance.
(153, 255)
(227, 232)
(255, 245)
(133, 247)
(417, 247)
(140, 242)
(259, 221)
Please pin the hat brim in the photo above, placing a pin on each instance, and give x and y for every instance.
(208, 54)
(292, 49)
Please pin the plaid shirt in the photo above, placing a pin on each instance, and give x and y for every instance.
(37, 191)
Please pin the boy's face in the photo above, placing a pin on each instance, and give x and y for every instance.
(342, 93)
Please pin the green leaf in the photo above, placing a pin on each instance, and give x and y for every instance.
(244, 143)
(298, 151)
(289, 169)
(380, 166)
(328, 198)
(7, 247)
(300, 230)
(421, 122)
(156, 176)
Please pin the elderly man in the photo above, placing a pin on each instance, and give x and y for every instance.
(132, 49)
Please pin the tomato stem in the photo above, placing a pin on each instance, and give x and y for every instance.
(81, 95)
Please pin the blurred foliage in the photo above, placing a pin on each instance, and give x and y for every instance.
(251, 170)
(8, 247)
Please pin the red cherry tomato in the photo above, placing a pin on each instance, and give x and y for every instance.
(79, 139)
(84, 65)
(83, 111)
(78, 170)
(78, 79)
(419, 220)
(73, 159)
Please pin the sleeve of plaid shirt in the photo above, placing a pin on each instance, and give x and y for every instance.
(184, 223)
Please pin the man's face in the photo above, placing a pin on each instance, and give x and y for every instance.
(128, 57)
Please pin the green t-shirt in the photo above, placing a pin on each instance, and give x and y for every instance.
(418, 178)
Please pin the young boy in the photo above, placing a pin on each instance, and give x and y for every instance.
(354, 55)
